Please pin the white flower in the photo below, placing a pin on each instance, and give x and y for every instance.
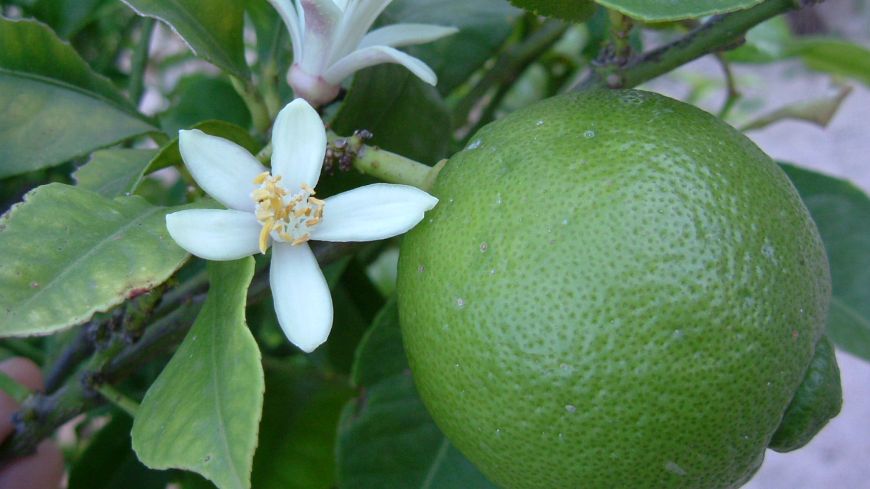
(330, 43)
(279, 208)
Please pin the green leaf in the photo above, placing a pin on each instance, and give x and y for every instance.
(484, 25)
(30, 47)
(405, 115)
(818, 111)
(67, 17)
(54, 107)
(211, 28)
(114, 172)
(297, 435)
(665, 10)
(69, 252)
(380, 354)
(570, 10)
(170, 155)
(386, 437)
(109, 462)
(842, 214)
(193, 101)
(203, 411)
(834, 56)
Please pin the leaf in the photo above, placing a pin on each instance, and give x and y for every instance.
(203, 411)
(170, 155)
(665, 10)
(834, 56)
(109, 462)
(405, 115)
(67, 17)
(297, 435)
(193, 102)
(570, 10)
(484, 25)
(114, 172)
(54, 107)
(842, 214)
(380, 354)
(30, 47)
(818, 111)
(386, 438)
(211, 28)
(69, 252)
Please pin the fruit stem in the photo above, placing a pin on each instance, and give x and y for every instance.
(719, 33)
(347, 152)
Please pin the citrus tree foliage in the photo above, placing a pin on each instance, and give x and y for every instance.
(178, 370)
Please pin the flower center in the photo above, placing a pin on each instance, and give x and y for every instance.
(286, 217)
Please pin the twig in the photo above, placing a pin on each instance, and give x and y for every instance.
(115, 359)
(509, 66)
(718, 33)
(72, 355)
(139, 61)
(732, 95)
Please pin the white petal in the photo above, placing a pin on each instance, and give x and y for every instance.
(294, 24)
(225, 170)
(215, 234)
(398, 35)
(320, 18)
(375, 55)
(376, 211)
(357, 19)
(302, 301)
(298, 145)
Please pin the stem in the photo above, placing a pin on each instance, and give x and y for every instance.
(509, 66)
(254, 101)
(72, 355)
(732, 95)
(379, 163)
(720, 32)
(140, 61)
(114, 396)
(114, 361)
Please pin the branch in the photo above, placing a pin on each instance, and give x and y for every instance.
(719, 33)
(116, 358)
(509, 66)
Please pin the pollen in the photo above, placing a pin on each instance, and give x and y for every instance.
(286, 216)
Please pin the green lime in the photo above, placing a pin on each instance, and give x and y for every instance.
(616, 290)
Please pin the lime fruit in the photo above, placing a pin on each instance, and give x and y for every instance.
(616, 290)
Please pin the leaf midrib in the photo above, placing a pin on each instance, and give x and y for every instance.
(51, 283)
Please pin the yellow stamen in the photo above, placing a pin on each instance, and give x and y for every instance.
(264, 235)
(261, 178)
(308, 189)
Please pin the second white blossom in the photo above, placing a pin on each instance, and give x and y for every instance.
(331, 40)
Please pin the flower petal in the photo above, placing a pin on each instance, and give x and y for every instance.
(215, 234)
(398, 35)
(294, 24)
(302, 300)
(225, 170)
(357, 19)
(298, 145)
(376, 211)
(374, 55)
(320, 18)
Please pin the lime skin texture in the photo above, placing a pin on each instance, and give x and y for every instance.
(616, 290)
